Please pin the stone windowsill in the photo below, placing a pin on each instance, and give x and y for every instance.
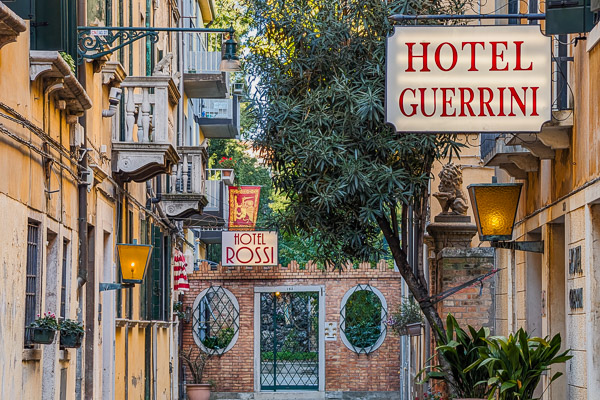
(32, 355)
(64, 355)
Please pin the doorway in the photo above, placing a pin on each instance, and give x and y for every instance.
(289, 342)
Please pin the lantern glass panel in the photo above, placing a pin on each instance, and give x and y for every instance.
(495, 208)
(133, 260)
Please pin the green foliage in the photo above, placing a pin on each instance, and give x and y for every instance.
(248, 170)
(514, 365)
(221, 340)
(46, 321)
(69, 60)
(318, 70)
(408, 313)
(362, 319)
(461, 350)
(178, 309)
(70, 326)
(196, 362)
(290, 356)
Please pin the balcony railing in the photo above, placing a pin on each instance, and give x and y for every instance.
(147, 145)
(186, 190)
(202, 76)
(219, 118)
(188, 175)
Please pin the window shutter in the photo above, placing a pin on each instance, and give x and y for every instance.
(157, 253)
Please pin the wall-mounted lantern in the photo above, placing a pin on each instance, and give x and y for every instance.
(495, 208)
(230, 60)
(133, 260)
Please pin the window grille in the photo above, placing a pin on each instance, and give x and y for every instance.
(32, 272)
(362, 319)
(216, 321)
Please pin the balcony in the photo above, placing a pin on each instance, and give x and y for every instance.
(520, 153)
(219, 119)
(215, 214)
(147, 146)
(202, 77)
(186, 189)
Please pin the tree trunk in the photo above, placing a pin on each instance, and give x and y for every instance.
(420, 291)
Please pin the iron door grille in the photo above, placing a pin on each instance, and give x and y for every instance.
(289, 341)
(31, 278)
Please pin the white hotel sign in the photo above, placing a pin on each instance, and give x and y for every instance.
(468, 79)
(249, 248)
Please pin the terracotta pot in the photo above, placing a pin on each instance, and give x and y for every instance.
(198, 391)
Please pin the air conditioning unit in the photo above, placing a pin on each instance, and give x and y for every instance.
(238, 88)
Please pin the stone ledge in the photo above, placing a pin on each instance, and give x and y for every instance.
(32, 355)
(11, 25)
(64, 355)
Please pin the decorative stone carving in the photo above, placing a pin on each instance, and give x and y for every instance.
(451, 197)
(113, 73)
(11, 25)
(162, 67)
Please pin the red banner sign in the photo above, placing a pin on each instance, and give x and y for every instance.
(243, 206)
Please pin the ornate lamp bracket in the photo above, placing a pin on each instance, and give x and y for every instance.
(96, 42)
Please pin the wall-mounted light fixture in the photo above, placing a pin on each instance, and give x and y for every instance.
(495, 208)
(133, 260)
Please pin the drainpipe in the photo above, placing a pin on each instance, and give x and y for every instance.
(82, 217)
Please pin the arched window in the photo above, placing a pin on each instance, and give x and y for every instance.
(216, 320)
(362, 319)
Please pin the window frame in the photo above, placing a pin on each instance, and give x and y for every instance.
(33, 240)
(236, 321)
(384, 313)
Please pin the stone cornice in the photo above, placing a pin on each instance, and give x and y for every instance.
(11, 25)
(50, 66)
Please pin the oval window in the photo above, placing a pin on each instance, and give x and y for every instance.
(216, 320)
(363, 315)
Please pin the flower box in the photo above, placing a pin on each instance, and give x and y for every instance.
(72, 340)
(42, 335)
(414, 329)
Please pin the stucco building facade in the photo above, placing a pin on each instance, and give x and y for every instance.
(86, 166)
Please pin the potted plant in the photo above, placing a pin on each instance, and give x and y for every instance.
(44, 328)
(461, 350)
(408, 320)
(71, 333)
(515, 365)
(196, 390)
(227, 165)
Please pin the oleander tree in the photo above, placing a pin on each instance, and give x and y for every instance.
(316, 71)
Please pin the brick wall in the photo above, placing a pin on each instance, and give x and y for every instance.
(472, 305)
(344, 369)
